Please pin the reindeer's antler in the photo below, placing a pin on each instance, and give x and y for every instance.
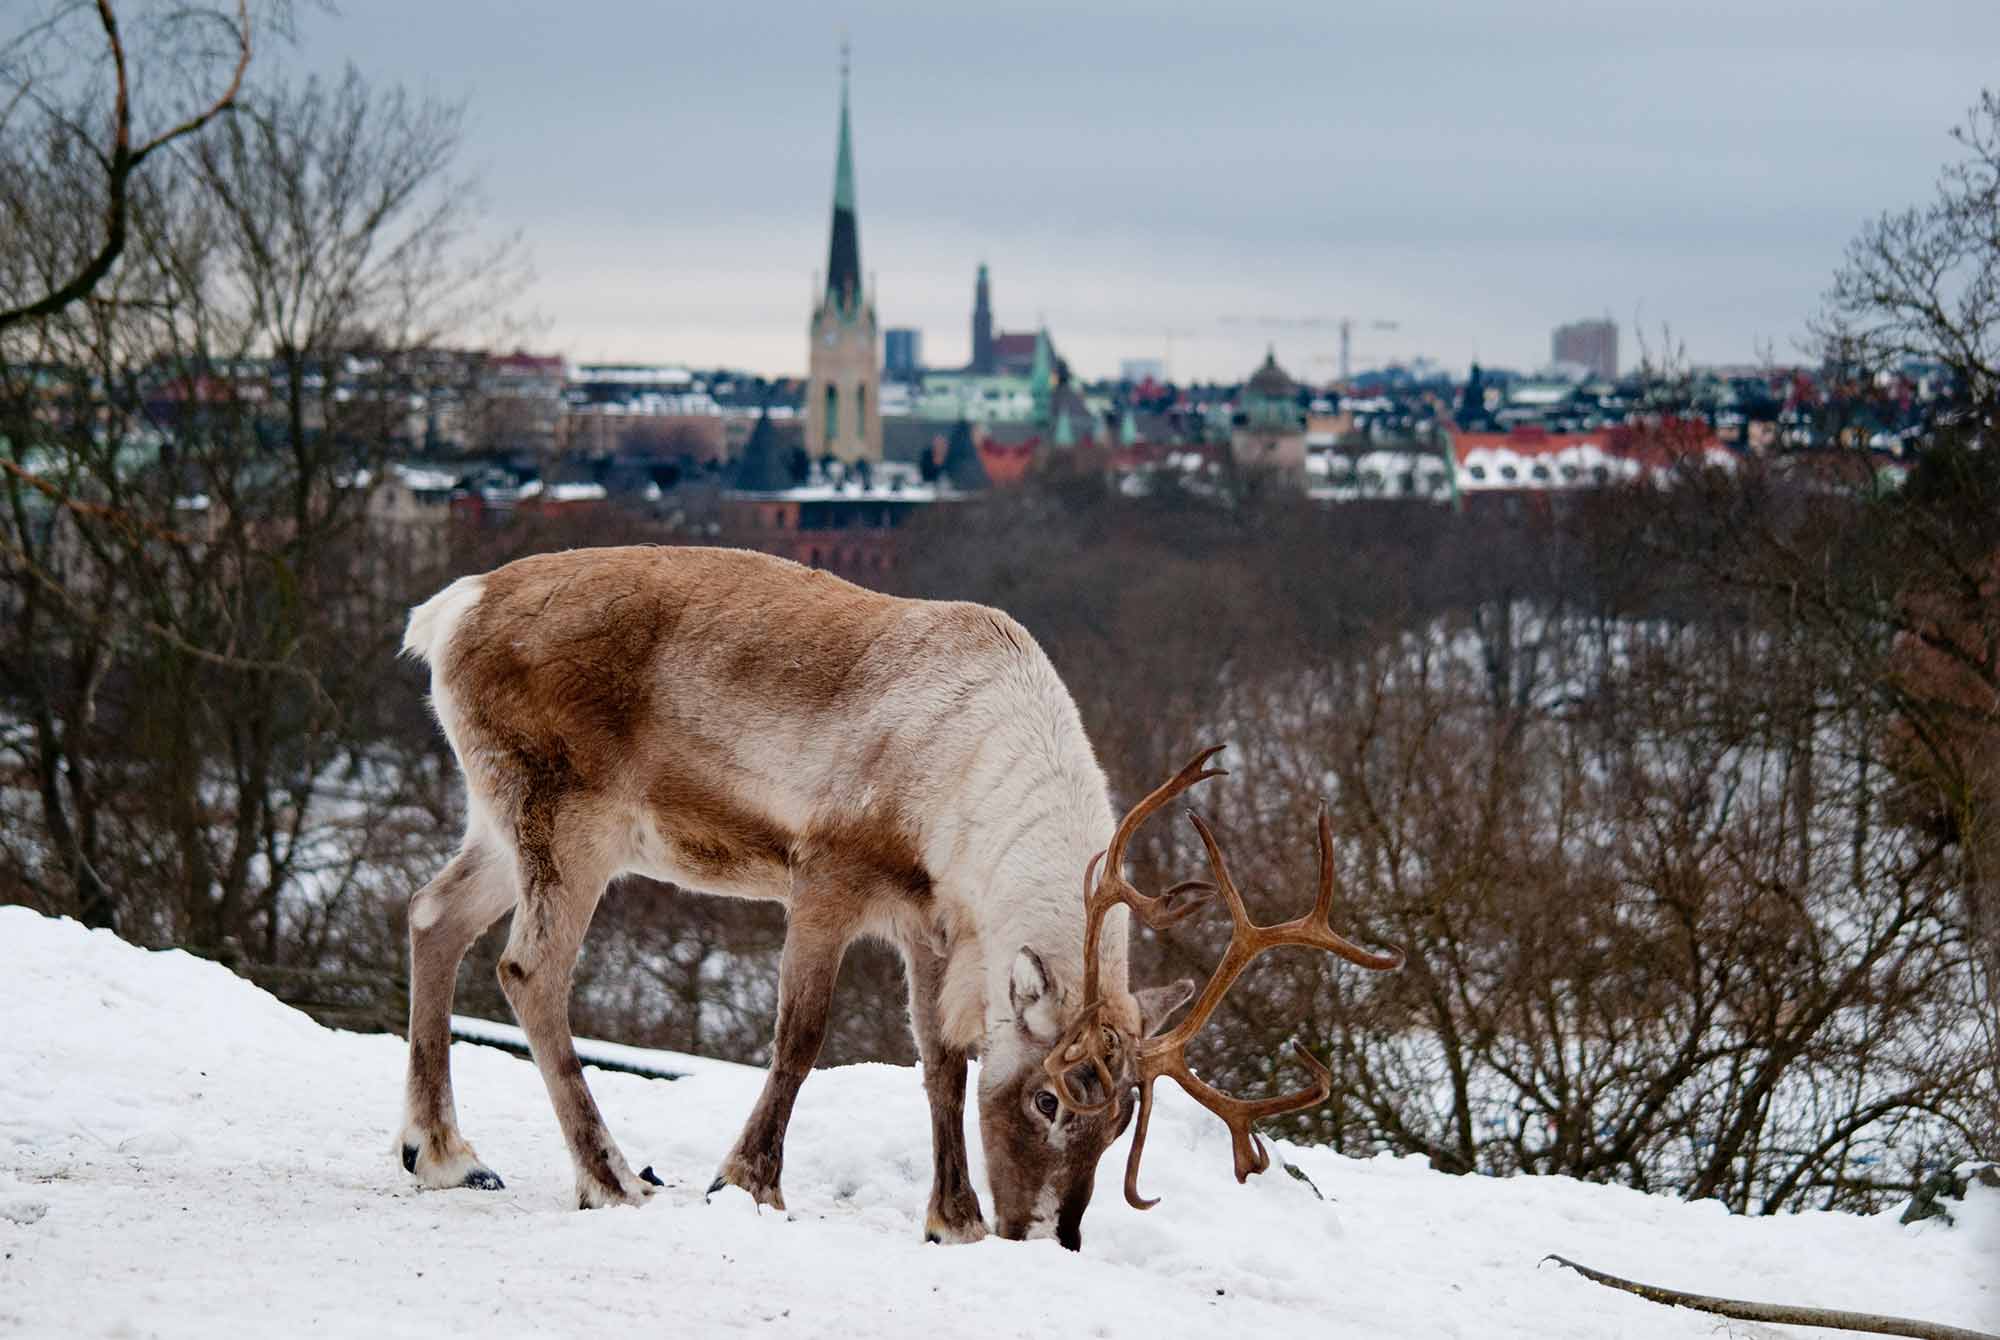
(1167, 1054)
(1093, 1043)
(1089, 1040)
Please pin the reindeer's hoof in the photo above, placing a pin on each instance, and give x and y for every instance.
(592, 1196)
(443, 1162)
(763, 1190)
(646, 1174)
(954, 1216)
(936, 1230)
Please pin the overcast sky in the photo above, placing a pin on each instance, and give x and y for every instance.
(1476, 170)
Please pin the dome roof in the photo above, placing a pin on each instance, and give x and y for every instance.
(1270, 379)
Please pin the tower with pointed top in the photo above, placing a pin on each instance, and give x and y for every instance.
(1042, 377)
(843, 410)
(982, 324)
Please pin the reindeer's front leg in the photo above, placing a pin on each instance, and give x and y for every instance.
(816, 936)
(954, 1214)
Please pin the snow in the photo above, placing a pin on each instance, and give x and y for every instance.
(181, 1155)
(424, 479)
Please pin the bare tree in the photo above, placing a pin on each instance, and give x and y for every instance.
(1924, 282)
(1631, 817)
(206, 604)
(31, 66)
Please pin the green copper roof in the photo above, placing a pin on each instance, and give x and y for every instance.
(843, 260)
(1042, 377)
(843, 172)
(1065, 431)
(1128, 428)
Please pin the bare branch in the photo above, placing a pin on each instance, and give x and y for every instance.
(123, 161)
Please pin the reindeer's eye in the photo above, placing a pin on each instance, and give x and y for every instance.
(1047, 1105)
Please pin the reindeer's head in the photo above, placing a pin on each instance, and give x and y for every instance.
(1062, 1084)
(1041, 1154)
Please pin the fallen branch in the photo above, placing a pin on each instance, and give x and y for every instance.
(1779, 1313)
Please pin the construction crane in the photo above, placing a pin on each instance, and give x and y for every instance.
(1344, 324)
(1347, 342)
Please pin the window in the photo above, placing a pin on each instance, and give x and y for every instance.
(832, 421)
(861, 412)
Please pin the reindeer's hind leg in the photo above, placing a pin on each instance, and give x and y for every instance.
(561, 883)
(446, 916)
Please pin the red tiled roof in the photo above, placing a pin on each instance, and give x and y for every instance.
(1007, 462)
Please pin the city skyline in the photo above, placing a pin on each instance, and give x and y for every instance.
(1137, 176)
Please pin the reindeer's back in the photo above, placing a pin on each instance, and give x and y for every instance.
(597, 659)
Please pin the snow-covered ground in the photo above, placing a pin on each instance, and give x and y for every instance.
(181, 1155)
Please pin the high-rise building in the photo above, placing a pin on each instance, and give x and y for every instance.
(1589, 344)
(902, 352)
(982, 324)
(843, 404)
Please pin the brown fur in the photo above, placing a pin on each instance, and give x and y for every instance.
(560, 667)
(829, 906)
(954, 1212)
(645, 709)
(1014, 1135)
(464, 899)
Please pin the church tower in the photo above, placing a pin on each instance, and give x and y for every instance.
(843, 409)
(982, 324)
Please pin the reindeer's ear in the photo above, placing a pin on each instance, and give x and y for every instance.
(1033, 996)
(1157, 1002)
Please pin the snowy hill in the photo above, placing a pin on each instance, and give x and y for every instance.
(181, 1155)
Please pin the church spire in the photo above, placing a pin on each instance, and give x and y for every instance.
(843, 265)
(982, 323)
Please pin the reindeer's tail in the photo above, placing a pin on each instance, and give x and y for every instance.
(433, 622)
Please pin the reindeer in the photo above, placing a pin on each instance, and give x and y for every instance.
(912, 770)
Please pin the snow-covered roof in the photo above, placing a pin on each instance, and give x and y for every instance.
(423, 479)
(632, 374)
(888, 481)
